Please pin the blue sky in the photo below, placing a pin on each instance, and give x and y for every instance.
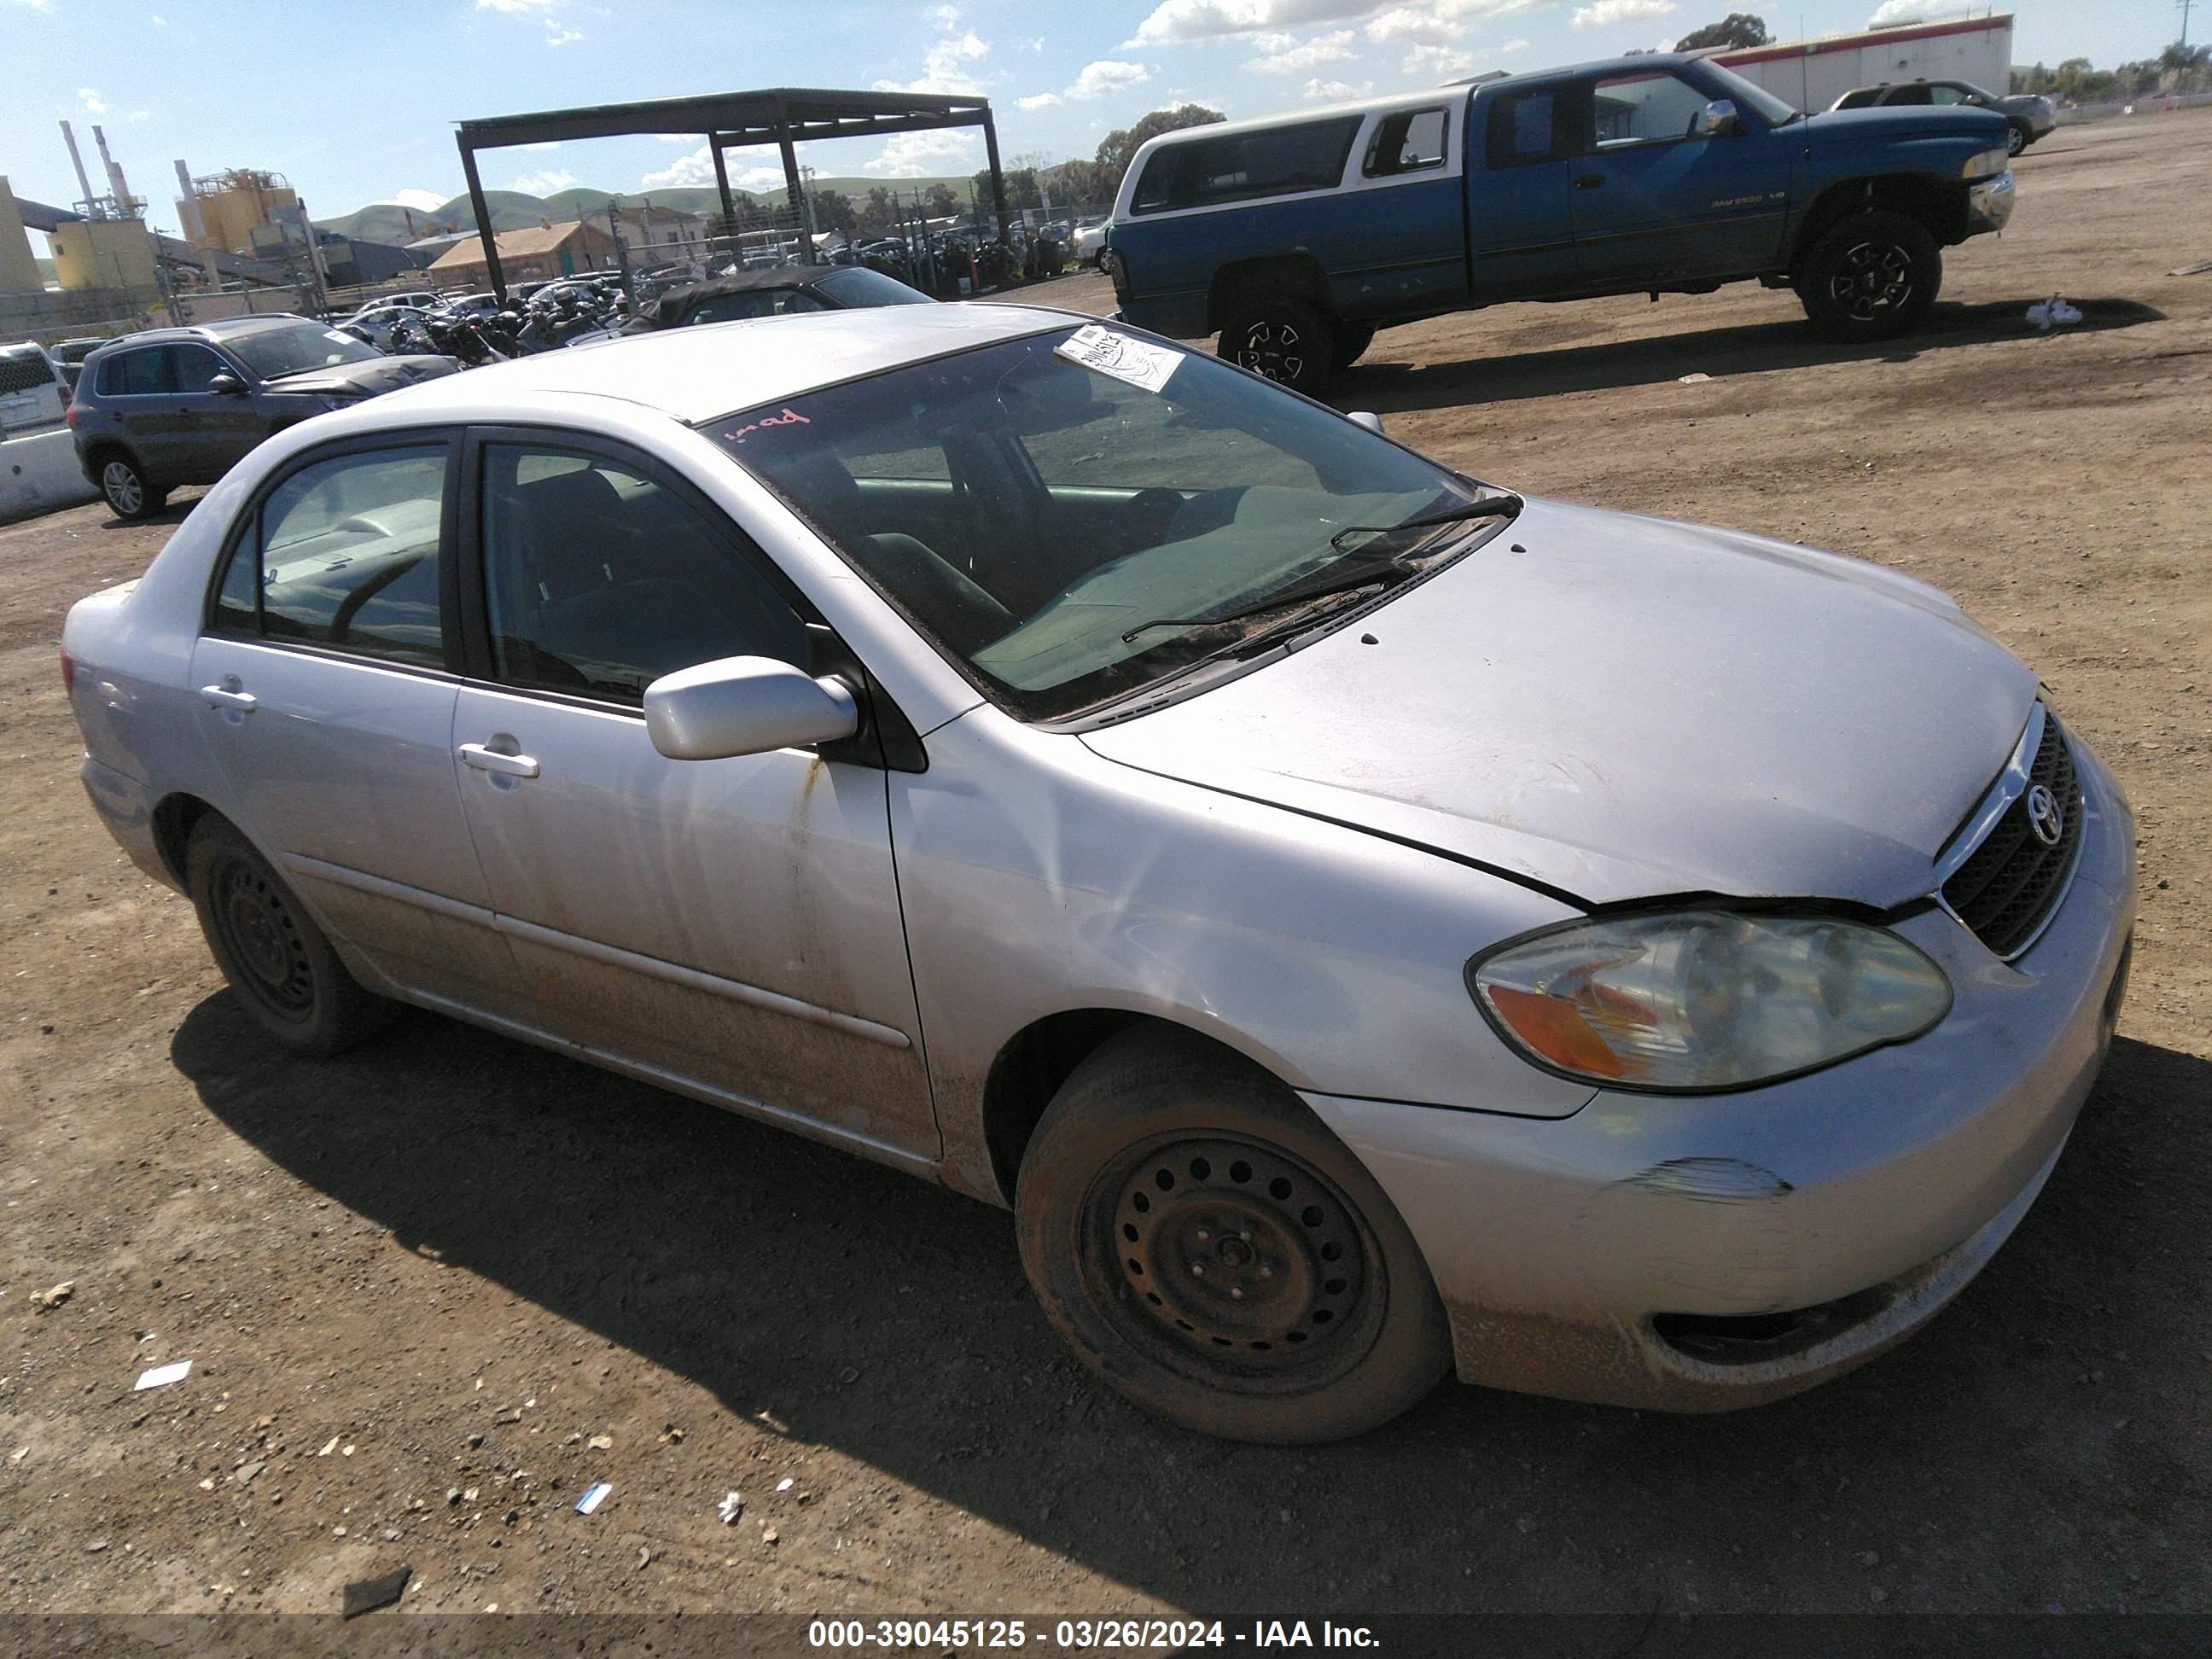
(355, 104)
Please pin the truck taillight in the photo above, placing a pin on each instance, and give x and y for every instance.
(69, 672)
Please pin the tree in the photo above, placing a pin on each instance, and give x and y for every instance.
(1733, 31)
(878, 214)
(938, 201)
(833, 210)
(1118, 147)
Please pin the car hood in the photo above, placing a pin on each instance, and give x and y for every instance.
(366, 380)
(1839, 127)
(1622, 708)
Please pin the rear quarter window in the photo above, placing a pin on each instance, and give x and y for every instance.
(1246, 166)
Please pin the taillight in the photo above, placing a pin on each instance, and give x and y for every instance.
(69, 417)
(69, 672)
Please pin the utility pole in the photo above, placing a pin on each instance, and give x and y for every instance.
(2183, 6)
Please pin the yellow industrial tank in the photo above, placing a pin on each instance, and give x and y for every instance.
(103, 253)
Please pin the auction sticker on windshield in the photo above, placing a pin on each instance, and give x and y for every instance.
(1117, 355)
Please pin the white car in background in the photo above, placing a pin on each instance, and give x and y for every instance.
(1089, 241)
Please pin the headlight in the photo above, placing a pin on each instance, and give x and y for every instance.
(1707, 1000)
(1987, 164)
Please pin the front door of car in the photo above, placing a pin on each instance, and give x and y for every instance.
(326, 699)
(1520, 226)
(733, 924)
(215, 429)
(1657, 200)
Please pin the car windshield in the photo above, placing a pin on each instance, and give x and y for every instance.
(1035, 516)
(274, 353)
(1775, 111)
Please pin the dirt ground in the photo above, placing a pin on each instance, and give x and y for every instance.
(434, 1290)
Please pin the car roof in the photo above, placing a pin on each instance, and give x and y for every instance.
(715, 369)
(220, 328)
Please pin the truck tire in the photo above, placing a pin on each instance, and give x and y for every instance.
(1214, 1254)
(1351, 340)
(1290, 341)
(1870, 277)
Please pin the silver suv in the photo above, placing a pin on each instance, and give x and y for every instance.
(183, 405)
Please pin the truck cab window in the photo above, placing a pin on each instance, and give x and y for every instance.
(1646, 109)
(1524, 129)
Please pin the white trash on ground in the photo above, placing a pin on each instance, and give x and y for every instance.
(2054, 313)
(730, 1508)
(160, 1376)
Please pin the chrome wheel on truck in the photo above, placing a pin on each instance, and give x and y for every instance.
(1874, 276)
(1287, 341)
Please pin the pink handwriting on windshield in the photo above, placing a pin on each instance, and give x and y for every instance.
(789, 417)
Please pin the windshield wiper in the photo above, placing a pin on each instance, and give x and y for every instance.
(1371, 574)
(1485, 507)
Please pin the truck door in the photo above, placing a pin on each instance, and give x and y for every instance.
(1657, 201)
(1520, 229)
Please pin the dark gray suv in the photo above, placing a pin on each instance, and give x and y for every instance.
(182, 405)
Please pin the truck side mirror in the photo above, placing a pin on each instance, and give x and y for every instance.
(1721, 120)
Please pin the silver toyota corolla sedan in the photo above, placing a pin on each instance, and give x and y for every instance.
(1364, 922)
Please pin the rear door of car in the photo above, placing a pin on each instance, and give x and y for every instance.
(731, 926)
(137, 388)
(327, 673)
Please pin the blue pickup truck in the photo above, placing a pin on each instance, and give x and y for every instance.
(1296, 237)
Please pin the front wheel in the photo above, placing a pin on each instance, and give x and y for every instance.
(1871, 277)
(279, 964)
(1210, 1250)
(2016, 140)
(129, 494)
(1289, 340)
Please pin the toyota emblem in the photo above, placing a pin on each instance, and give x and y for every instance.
(2045, 816)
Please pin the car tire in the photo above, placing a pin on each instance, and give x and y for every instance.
(1352, 340)
(1871, 277)
(129, 495)
(2017, 138)
(278, 962)
(1163, 1150)
(1288, 341)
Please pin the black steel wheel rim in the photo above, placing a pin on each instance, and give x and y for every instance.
(120, 481)
(1874, 278)
(1276, 349)
(262, 938)
(1237, 1260)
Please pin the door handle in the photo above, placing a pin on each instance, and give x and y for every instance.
(1590, 181)
(227, 695)
(491, 760)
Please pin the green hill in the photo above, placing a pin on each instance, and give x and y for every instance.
(512, 209)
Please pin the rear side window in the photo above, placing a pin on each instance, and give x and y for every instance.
(344, 554)
(1246, 166)
(139, 374)
(1862, 99)
(1525, 128)
(1909, 95)
(1407, 140)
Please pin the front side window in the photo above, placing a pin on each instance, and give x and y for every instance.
(598, 580)
(858, 286)
(756, 302)
(1910, 95)
(1077, 508)
(195, 366)
(344, 554)
(1647, 109)
(1247, 165)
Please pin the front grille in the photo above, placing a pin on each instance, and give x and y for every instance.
(2006, 888)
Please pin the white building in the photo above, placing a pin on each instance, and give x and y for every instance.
(1813, 73)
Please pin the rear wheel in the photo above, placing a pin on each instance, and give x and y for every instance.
(1212, 1251)
(278, 962)
(1288, 340)
(1872, 277)
(129, 495)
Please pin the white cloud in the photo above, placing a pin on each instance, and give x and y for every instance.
(544, 183)
(760, 180)
(1894, 12)
(422, 201)
(1040, 100)
(1605, 13)
(138, 115)
(1411, 23)
(1285, 54)
(912, 154)
(697, 168)
(92, 102)
(558, 34)
(1335, 91)
(1437, 63)
(512, 7)
(157, 20)
(947, 68)
(1209, 20)
(947, 18)
(1106, 76)
(673, 138)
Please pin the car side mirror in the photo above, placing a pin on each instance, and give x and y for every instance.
(745, 706)
(1373, 422)
(228, 386)
(1721, 120)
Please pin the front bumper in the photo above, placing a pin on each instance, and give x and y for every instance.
(1638, 1252)
(1989, 203)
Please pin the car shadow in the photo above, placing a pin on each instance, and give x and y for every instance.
(173, 512)
(1387, 387)
(889, 1320)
